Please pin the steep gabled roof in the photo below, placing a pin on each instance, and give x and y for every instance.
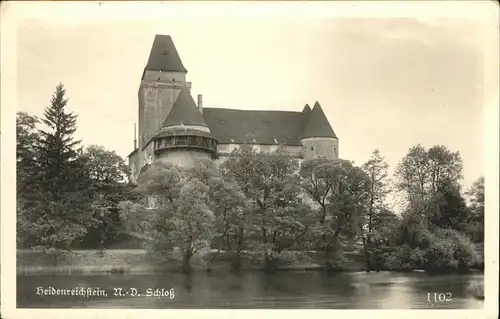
(317, 124)
(164, 56)
(266, 127)
(184, 111)
(306, 109)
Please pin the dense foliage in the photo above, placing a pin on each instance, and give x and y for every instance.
(62, 197)
(264, 208)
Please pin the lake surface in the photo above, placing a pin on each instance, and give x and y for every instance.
(285, 290)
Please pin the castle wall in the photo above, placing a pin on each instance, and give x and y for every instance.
(133, 165)
(183, 158)
(224, 149)
(155, 103)
(315, 147)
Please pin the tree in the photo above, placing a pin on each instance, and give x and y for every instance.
(452, 210)
(278, 220)
(445, 166)
(339, 191)
(476, 221)
(60, 213)
(103, 166)
(229, 204)
(58, 161)
(181, 216)
(376, 169)
(421, 173)
(108, 174)
(27, 183)
(413, 174)
(26, 151)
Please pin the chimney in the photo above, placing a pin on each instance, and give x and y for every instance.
(135, 137)
(200, 103)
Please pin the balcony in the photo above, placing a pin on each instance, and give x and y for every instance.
(204, 143)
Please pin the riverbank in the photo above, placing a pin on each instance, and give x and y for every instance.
(138, 261)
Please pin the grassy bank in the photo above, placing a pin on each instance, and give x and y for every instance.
(139, 261)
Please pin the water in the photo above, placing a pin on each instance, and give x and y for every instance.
(286, 290)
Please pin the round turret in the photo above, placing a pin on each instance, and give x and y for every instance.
(319, 139)
(184, 137)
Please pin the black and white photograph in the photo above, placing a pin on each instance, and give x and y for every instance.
(251, 156)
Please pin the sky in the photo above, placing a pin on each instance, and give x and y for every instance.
(384, 82)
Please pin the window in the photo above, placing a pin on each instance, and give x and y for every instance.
(181, 140)
(312, 147)
(151, 202)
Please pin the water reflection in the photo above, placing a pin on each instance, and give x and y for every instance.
(382, 290)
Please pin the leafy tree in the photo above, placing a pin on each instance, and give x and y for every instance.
(103, 166)
(413, 174)
(278, 220)
(339, 192)
(382, 242)
(421, 173)
(26, 152)
(376, 169)
(452, 211)
(108, 174)
(231, 211)
(476, 221)
(445, 166)
(181, 216)
(229, 204)
(27, 183)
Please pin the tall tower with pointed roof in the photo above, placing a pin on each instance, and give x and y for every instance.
(163, 78)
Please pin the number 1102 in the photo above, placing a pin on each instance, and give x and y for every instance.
(438, 297)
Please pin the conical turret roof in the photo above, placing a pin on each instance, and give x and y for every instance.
(184, 111)
(164, 56)
(317, 125)
(306, 109)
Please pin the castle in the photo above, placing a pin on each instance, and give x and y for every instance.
(173, 128)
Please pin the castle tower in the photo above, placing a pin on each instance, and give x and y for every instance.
(318, 137)
(185, 137)
(163, 78)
